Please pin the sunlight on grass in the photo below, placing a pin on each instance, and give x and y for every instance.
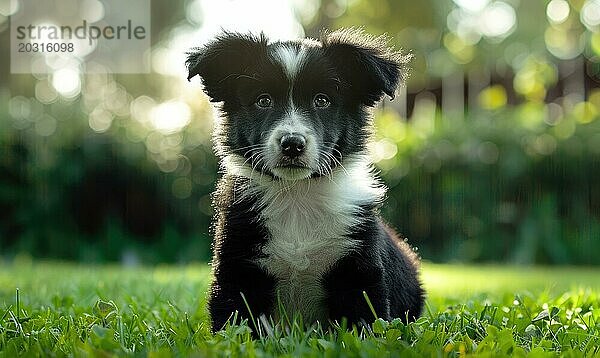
(441, 280)
(445, 280)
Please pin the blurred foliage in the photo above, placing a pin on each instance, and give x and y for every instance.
(493, 38)
(77, 194)
(498, 185)
(491, 152)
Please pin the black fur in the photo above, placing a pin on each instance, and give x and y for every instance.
(239, 238)
(385, 267)
(353, 71)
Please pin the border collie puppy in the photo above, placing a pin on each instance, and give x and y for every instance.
(297, 221)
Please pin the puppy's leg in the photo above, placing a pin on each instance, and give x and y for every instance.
(386, 269)
(226, 295)
(345, 285)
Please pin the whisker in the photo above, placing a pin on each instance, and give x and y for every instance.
(250, 158)
(334, 159)
(260, 145)
(262, 170)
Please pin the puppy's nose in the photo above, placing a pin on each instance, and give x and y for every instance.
(292, 145)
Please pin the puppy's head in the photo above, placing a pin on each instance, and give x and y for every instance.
(295, 109)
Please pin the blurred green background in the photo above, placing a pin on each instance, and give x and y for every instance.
(491, 151)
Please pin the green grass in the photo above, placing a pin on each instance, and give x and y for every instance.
(69, 309)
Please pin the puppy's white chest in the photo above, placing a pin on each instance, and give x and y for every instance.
(307, 236)
(299, 263)
(305, 243)
(308, 223)
(302, 247)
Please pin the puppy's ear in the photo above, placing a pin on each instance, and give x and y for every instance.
(221, 62)
(366, 63)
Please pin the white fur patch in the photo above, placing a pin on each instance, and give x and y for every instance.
(291, 59)
(309, 221)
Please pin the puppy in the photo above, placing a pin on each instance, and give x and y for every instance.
(297, 222)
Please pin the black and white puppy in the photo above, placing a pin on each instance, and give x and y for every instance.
(297, 208)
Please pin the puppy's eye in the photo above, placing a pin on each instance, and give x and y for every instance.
(321, 100)
(264, 101)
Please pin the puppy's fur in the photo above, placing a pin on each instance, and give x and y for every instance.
(303, 229)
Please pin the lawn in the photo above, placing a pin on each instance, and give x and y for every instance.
(70, 309)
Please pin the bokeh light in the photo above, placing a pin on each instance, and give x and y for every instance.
(497, 20)
(558, 11)
(474, 6)
(473, 19)
(67, 82)
(170, 117)
(100, 120)
(590, 14)
(9, 7)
